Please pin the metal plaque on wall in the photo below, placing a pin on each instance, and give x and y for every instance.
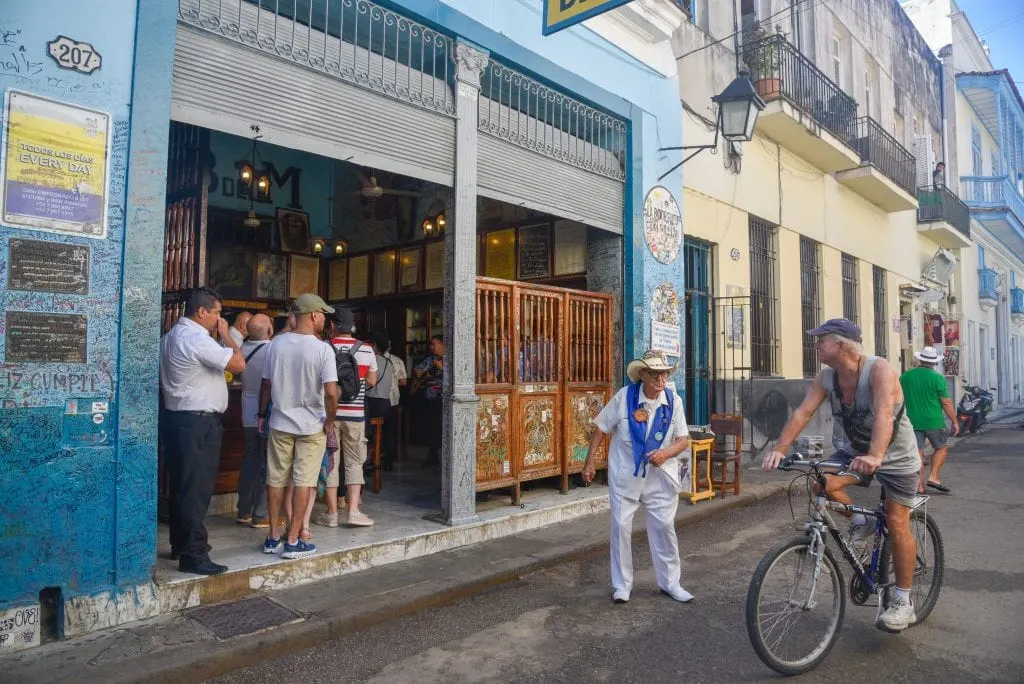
(40, 266)
(34, 337)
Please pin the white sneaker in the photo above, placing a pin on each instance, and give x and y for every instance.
(620, 596)
(679, 594)
(358, 519)
(898, 616)
(327, 519)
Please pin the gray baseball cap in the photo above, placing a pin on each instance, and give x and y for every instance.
(838, 326)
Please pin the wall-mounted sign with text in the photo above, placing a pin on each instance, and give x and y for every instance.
(560, 14)
(54, 173)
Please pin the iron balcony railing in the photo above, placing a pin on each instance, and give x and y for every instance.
(992, 192)
(878, 148)
(939, 204)
(778, 69)
(1017, 301)
(987, 284)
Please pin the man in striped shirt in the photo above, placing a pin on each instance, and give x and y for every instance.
(350, 422)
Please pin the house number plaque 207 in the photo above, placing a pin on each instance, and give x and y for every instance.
(73, 55)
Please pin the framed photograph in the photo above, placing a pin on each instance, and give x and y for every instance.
(409, 269)
(384, 273)
(359, 276)
(293, 227)
(337, 285)
(303, 276)
(535, 252)
(231, 271)
(500, 254)
(570, 248)
(433, 273)
(271, 276)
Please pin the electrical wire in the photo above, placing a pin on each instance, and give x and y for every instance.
(736, 33)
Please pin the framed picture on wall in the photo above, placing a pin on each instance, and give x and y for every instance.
(293, 229)
(231, 271)
(409, 269)
(337, 285)
(433, 271)
(500, 254)
(358, 276)
(384, 273)
(535, 252)
(304, 275)
(271, 276)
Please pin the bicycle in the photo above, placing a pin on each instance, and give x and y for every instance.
(814, 595)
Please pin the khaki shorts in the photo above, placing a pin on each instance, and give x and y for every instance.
(352, 443)
(294, 458)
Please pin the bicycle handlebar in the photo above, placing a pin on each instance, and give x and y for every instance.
(797, 460)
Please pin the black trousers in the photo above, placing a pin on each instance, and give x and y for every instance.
(434, 413)
(381, 408)
(193, 456)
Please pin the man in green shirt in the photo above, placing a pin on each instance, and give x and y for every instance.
(924, 390)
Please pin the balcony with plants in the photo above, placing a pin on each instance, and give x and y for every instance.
(943, 217)
(805, 111)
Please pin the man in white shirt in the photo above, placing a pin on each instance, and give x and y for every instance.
(240, 327)
(301, 379)
(648, 431)
(195, 393)
(252, 479)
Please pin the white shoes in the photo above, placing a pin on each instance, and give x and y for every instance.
(620, 596)
(679, 594)
(898, 616)
(358, 519)
(327, 519)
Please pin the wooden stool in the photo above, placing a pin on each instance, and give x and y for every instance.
(378, 475)
(727, 425)
(700, 470)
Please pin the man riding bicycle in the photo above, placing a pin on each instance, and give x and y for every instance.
(873, 436)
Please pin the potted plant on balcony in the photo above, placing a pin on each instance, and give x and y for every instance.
(762, 59)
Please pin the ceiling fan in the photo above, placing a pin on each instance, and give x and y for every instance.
(372, 191)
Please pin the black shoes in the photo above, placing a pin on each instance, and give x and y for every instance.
(204, 567)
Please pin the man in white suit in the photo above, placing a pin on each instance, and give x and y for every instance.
(648, 431)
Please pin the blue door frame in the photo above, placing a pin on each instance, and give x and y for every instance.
(697, 255)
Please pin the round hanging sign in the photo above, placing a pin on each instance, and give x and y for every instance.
(663, 225)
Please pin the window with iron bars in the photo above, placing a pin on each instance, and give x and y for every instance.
(810, 300)
(851, 288)
(878, 287)
(764, 343)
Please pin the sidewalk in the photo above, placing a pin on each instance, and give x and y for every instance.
(203, 642)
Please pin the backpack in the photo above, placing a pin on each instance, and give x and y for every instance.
(349, 382)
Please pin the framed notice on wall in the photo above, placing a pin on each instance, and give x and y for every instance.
(535, 252)
(359, 276)
(500, 254)
(409, 269)
(570, 248)
(54, 168)
(337, 285)
(384, 273)
(433, 271)
(303, 275)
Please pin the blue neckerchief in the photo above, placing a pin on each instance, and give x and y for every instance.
(645, 442)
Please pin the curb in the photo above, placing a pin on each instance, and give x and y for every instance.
(204, 660)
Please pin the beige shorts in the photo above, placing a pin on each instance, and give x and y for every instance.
(294, 458)
(352, 442)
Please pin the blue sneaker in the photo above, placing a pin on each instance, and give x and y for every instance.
(272, 545)
(300, 549)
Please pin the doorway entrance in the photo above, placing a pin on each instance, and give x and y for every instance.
(699, 296)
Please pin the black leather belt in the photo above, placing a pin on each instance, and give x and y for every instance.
(199, 413)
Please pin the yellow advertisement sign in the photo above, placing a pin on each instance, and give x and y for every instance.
(560, 14)
(54, 174)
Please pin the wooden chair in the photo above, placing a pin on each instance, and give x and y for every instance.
(375, 455)
(727, 425)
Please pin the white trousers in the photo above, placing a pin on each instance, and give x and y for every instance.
(660, 498)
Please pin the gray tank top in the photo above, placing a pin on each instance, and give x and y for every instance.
(902, 455)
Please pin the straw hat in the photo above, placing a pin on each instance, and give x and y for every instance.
(651, 360)
(927, 355)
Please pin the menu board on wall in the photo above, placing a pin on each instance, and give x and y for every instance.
(433, 274)
(534, 252)
(337, 286)
(359, 276)
(384, 273)
(500, 254)
(34, 337)
(570, 248)
(40, 266)
(409, 273)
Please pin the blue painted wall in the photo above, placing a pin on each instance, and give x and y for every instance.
(77, 517)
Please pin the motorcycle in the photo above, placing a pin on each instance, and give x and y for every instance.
(974, 407)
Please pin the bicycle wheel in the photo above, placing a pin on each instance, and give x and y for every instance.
(929, 566)
(791, 630)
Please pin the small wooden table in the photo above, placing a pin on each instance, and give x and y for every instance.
(700, 470)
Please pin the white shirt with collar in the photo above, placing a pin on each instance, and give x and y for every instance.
(192, 369)
(236, 335)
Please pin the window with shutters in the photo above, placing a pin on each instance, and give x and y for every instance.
(763, 297)
(837, 60)
(880, 314)
(850, 289)
(898, 99)
(810, 300)
(981, 257)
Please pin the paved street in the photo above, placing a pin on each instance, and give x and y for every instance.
(559, 624)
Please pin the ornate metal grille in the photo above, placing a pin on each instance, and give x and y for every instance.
(879, 288)
(851, 288)
(356, 41)
(810, 300)
(528, 113)
(764, 343)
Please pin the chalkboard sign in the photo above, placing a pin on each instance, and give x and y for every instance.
(534, 252)
(46, 337)
(40, 266)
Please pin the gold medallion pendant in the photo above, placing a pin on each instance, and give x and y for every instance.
(640, 415)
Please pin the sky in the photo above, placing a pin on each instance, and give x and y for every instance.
(1000, 23)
